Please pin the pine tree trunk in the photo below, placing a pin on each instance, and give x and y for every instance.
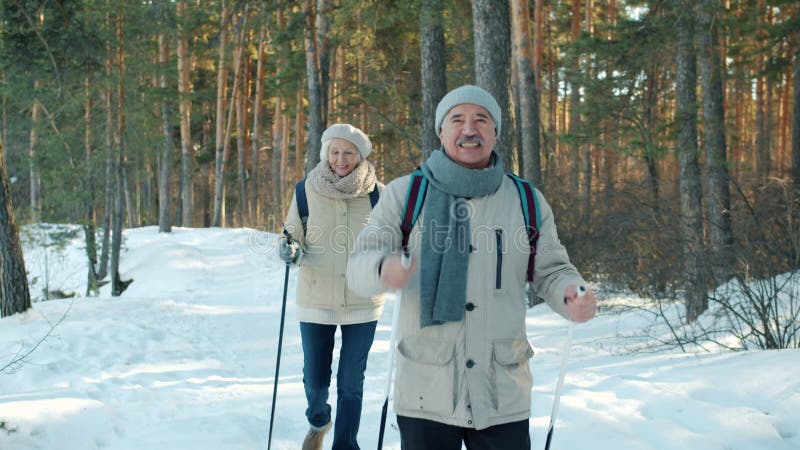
(117, 286)
(284, 155)
(718, 181)
(110, 189)
(433, 71)
(298, 136)
(491, 28)
(796, 122)
(650, 158)
(528, 97)
(220, 118)
(538, 44)
(690, 187)
(185, 111)
(165, 172)
(237, 77)
(314, 90)
(207, 167)
(323, 56)
(131, 207)
(14, 294)
(762, 150)
(277, 139)
(586, 153)
(4, 125)
(258, 126)
(242, 141)
(574, 105)
(33, 149)
(89, 183)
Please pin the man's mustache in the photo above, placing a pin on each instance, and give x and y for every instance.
(469, 140)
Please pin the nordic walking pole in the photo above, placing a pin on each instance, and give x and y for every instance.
(280, 344)
(405, 261)
(561, 373)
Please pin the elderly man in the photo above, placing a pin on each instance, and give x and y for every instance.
(462, 354)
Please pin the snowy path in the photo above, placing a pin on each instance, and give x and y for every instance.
(185, 360)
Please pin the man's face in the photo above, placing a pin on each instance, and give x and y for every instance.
(468, 135)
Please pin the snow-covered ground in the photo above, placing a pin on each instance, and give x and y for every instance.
(185, 360)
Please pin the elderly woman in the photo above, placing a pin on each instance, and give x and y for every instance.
(339, 205)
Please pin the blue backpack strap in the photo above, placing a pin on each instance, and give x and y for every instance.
(374, 196)
(417, 187)
(530, 212)
(302, 202)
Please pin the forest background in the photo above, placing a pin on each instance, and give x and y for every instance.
(664, 133)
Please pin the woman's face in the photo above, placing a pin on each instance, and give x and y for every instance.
(343, 156)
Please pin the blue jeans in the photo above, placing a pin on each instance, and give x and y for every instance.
(318, 342)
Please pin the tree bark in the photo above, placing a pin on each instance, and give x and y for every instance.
(89, 183)
(220, 117)
(33, 149)
(538, 43)
(258, 126)
(241, 138)
(718, 180)
(277, 140)
(528, 97)
(117, 285)
(314, 90)
(490, 24)
(185, 111)
(110, 189)
(690, 187)
(796, 122)
(208, 169)
(165, 172)
(574, 102)
(433, 71)
(762, 105)
(14, 294)
(323, 56)
(298, 136)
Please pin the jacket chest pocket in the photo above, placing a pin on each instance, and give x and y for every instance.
(499, 250)
(426, 379)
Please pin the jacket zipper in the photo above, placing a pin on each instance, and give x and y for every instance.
(498, 234)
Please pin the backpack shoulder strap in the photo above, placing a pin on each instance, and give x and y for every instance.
(374, 196)
(530, 212)
(417, 187)
(302, 202)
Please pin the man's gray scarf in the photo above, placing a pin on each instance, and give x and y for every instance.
(446, 234)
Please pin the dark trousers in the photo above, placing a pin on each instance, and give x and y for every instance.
(421, 434)
(318, 343)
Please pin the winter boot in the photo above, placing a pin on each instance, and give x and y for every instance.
(313, 440)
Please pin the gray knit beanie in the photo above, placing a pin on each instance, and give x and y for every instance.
(468, 94)
(349, 133)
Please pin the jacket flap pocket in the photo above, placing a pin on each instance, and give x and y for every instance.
(512, 351)
(426, 350)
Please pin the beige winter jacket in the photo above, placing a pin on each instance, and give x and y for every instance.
(474, 373)
(323, 295)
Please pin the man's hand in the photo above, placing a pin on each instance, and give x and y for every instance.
(581, 307)
(393, 274)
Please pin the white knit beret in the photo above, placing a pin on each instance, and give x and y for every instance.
(349, 133)
(468, 94)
